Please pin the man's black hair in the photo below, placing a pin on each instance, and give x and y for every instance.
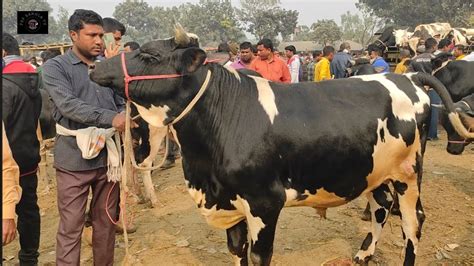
(328, 50)
(430, 43)
(316, 54)
(443, 43)
(80, 17)
(112, 25)
(245, 45)
(267, 43)
(254, 48)
(10, 44)
(291, 48)
(374, 48)
(133, 45)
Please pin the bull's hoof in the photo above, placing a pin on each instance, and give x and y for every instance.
(366, 216)
(364, 261)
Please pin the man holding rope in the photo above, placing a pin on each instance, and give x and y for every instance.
(86, 155)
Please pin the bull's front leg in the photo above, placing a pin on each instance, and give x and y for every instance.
(237, 242)
(262, 218)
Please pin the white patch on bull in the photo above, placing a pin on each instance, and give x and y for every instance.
(225, 219)
(291, 195)
(154, 116)
(222, 219)
(255, 224)
(233, 71)
(424, 98)
(266, 97)
(402, 106)
(391, 156)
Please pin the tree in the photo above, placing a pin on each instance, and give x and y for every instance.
(360, 28)
(136, 15)
(414, 12)
(213, 21)
(266, 19)
(288, 19)
(326, 32)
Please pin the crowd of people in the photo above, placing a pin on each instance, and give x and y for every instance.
(84, 113)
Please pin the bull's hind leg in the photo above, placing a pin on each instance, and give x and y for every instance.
(237, 242)
(380, 200)
(411, 210)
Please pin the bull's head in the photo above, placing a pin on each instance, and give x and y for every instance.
(178, 55)
(456, 143)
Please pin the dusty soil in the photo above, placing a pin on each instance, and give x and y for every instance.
(176, 234)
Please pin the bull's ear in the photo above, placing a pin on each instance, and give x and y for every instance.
(192, 59)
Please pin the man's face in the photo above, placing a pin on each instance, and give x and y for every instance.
(445, 49)
(330, 56)
(373, 54)
(246, 55)
(288, 53)
(117, 36)
(263, 52)
(457, 52)
(88, 40)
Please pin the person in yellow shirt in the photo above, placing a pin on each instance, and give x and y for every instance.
(458, 52)
(11, 191)
(404, 62)
(322, 70)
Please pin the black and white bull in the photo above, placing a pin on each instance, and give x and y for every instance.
(251, 147)
(458, 78)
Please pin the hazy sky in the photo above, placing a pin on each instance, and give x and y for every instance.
(309, 10)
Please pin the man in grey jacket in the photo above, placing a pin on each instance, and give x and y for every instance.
(341, 61)
(80, 103)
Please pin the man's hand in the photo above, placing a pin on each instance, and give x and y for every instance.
(111, 50)
(8, 230)
(119, 122)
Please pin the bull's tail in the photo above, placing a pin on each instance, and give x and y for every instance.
(424, 79)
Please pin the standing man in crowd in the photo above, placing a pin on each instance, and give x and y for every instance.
(271, 68)
(322, 70)
(80, 103)
(375, 53)
(21, 107)
(246, 56)
(341, 61)
(458, 52)
(293, 62)
(443, 46)
(422, 63)
(316, 57)
(404, 61)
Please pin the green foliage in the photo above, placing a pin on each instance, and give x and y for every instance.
(414, 12)
(326, 32)
(265, 19)
(360, 28)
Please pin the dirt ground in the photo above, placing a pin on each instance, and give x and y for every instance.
(176, 234)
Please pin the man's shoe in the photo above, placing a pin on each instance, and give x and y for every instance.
(167, 164)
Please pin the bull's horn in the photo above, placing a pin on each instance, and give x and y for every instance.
(180, 37)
